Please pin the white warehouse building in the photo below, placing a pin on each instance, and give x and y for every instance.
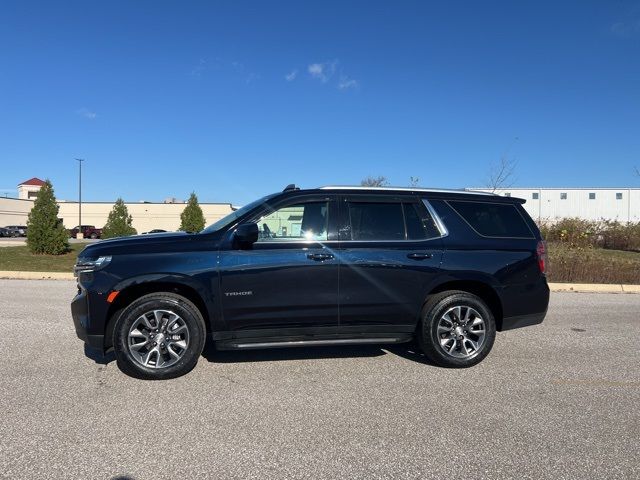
(551, 204)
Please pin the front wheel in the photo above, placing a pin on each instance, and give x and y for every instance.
(159, 336)
(457, 329)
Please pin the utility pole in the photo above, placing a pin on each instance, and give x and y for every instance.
(80, 160)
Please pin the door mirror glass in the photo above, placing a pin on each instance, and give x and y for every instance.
(246, 233)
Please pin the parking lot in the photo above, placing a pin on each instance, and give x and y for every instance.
(558, 400)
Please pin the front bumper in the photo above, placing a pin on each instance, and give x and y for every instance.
(80, 314)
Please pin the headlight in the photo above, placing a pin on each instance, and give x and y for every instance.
(90, 264)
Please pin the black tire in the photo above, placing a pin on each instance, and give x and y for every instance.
(181, 306)
(94, 236)
(430, 341)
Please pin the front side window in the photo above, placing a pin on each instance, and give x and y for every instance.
(300, 222)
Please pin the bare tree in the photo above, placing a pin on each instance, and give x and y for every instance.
(501, 174)
(379, 181)
(414, 182)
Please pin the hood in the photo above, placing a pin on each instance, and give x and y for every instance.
(157, 243)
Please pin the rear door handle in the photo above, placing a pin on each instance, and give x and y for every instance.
(419, 256)
(319, 257)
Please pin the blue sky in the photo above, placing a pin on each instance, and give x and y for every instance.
(237, 99)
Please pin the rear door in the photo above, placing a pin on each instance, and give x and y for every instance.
(390, 251)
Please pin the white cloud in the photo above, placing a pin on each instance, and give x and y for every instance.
(86, 113)
(346, 83)
(626, 29)
(322, 71)
(199, 68)
(291, 76)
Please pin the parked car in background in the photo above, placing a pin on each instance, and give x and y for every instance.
(17, 230)
(327, 266)
(88, 231)
(155, 230)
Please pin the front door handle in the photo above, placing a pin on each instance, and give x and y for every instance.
(319, 257)
(419, 256)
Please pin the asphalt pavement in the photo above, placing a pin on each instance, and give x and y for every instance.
(559, 400)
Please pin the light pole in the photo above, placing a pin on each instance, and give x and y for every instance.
(80, 160)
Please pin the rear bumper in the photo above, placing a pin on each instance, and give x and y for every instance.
(509, 323)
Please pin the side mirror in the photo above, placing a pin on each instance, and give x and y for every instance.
(246, 233)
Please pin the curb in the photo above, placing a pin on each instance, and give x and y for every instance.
(593, 288)
(36, 275)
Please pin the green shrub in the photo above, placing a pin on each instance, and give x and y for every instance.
(119, 222)
(591, 265)
(192, 218)
(45, 232)
(609, 234)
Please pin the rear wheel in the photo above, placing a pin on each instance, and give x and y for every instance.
(457, 329)
(159, 336)
(94, 236)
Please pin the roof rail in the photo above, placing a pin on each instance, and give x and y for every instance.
(403, 189)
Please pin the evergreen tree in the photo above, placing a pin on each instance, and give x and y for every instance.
(45, 233)
(119, 222)
(192, 218)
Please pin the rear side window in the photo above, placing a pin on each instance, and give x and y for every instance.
(419, 228)
(493, 219)
(390, 221)
(376, 221)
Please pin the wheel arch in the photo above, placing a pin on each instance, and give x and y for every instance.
(479, 288)
(132, 291)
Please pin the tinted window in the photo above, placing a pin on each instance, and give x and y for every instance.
(376, 221)
(493, 219)
(303, 221)
(419, 228)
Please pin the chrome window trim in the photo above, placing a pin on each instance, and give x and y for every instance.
(444, 232)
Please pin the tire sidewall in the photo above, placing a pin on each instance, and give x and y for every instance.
(197, 334)
(431, 340)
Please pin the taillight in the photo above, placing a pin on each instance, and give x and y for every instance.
(541, 253)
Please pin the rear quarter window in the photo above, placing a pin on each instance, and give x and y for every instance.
(493, 219)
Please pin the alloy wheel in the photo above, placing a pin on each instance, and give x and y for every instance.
(158, 339)
(461, 332)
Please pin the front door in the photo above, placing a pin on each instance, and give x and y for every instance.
(288, 280)
(390, 252)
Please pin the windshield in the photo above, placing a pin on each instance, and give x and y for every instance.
(233, 216)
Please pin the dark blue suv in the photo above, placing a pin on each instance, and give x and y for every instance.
(326, 266)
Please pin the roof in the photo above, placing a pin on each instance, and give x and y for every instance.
(35, 181)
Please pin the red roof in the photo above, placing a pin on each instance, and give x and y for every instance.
(33, 181)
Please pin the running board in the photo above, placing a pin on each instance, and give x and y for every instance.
(311, 343)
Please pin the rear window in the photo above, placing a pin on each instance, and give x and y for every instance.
(493, 219)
